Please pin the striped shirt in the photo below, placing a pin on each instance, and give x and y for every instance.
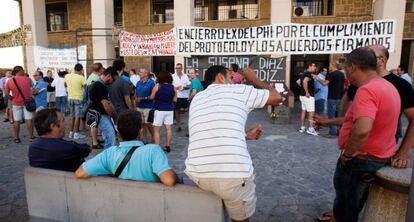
(217, 119)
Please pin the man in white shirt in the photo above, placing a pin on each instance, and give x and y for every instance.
(402, 72)
(181, 83)
(218, 160)
(134, 77)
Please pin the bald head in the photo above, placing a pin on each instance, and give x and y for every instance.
(382, 55)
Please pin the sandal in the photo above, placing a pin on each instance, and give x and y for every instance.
(17, 140)
(167, 149)
(97, 147)
(325, 217)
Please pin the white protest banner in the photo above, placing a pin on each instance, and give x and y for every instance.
(285, 38)
(59, 58)
(158, 44)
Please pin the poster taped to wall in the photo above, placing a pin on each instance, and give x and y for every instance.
(58, 58)
(158, 44)
(285, 38)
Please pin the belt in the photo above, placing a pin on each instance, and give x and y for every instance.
(372, 158)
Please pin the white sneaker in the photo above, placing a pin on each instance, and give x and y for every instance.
(312, 131)
(70, 136)
(78, 136)
(302, 129)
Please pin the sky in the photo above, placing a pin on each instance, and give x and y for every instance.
(10, 19)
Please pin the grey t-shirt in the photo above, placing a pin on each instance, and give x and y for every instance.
(117, 92)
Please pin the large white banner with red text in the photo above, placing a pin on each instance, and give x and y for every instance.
(158, 44)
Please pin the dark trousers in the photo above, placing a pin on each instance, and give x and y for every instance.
(351, 182)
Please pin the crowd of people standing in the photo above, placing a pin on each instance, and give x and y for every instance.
(125, 108)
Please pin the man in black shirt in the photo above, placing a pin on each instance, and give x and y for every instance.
(335, 81)
(50, 150)
(307, 99)
(51, 97)
(98, 95)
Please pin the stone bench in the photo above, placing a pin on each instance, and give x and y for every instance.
(58, 196)
(388, 196)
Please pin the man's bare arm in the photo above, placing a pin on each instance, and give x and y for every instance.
(358, 135)
(403, 157)
(274, 96)
(109, 109)
(169, 178)
(81, 174)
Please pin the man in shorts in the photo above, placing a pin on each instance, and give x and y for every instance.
(144, 104)
(307, 99)
(218, 159)
(181, 83)
(75, 83)
(51, 96)
(18, 101)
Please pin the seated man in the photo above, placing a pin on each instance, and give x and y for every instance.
(50, 150)
(148, 162)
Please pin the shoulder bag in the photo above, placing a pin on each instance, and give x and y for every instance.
(30, 104)
(125, 161)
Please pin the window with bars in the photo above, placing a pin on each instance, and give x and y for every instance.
(303, 8)
(118, 13)
(206, 10)
(409, 6)
(162, 11)
(57, 17)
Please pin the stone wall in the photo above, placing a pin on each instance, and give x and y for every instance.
(137, 15)
(409, 26)
(345, 11)
(137, 20)
(79, 16)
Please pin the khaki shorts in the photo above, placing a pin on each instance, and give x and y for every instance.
(144, 114)
(51, 97)
(238, 194)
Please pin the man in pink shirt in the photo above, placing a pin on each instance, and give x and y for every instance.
(366, 139)
(235, 76)
(18, 101)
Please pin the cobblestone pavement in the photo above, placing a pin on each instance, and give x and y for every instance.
(293, 171)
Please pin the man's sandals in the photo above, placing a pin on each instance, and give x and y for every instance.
(325, 217)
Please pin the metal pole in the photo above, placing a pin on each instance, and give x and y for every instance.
(410, 207)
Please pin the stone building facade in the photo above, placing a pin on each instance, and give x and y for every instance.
(135, 16)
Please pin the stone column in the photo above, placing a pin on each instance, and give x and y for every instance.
(34, 13)
(388, 9)
(102, 12)
(183, 16)
(281, 12)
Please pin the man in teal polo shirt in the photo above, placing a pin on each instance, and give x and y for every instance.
(195, 86)
(148, 162)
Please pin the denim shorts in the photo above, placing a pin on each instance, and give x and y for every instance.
(75, 108)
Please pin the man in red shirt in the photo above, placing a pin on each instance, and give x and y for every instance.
(19, 109)
(366, 139)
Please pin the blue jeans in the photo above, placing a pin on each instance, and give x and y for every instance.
(320, 106)
(108, 131)
(333, 109)
(352, 183)
(62, 103)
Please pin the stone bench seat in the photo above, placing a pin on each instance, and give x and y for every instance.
(58, 196)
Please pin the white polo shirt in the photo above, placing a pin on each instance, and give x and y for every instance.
(217, 120)
(183, 81)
